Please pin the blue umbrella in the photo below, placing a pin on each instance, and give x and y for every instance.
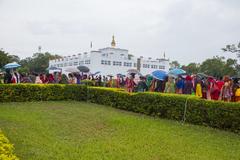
(159, 74)
(12, 65)
(176, 71)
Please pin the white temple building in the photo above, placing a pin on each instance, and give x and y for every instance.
(110, 60)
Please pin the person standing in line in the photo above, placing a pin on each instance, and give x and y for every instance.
(14, 78)
(118, 82)
(170, 86)
(179, 85)
(236, 90)
(142, 86)
(214, 91)
(153, 85)
(188, 86)
(130, 84)
(149, 82)
(225, 94)
(38, 80)
(199, 89)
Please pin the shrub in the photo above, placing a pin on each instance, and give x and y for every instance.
(215, 114)
(88, 82)
(6, 149)
(41, 92)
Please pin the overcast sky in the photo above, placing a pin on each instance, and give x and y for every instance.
(187, 30)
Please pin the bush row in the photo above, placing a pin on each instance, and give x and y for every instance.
(215, 114)
(6, 148)
(41, 92)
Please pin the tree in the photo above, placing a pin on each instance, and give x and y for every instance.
(233, 49)
(231, 67)
(218, 67)
(191, 68)
(38, 62)
(7, 58)
(174, 64)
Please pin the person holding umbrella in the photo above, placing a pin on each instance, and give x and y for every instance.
(8, 76)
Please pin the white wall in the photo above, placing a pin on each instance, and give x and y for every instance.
(111, 54)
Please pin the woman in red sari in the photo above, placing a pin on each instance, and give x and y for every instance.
(214, 90)
(130, 84)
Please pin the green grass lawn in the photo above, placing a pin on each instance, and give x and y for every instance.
(74, 131)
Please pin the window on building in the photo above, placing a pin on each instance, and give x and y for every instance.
(61, 65)
(81, 62)
(135, 64)
(154, 66)
(117, 63)
(65, 64)
(87, 61)
(127, 64)
(75, 63)
(105, 62)
(146, 66)
(161, 67)
(70, 64)
(104, 55)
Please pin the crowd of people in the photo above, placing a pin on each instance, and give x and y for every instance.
(226, 88)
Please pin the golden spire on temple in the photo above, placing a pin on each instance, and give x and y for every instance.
(113, 42)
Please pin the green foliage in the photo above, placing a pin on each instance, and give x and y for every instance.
(7, 58)
(218, 67)
(41, 92)
(233, 49)
(192, 68)
(38, 62)
(6, 148)
(210, 113)
(174, 64)
(88, 82)
(171, 106)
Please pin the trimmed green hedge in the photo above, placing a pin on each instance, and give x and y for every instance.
(41, 92)
(6, 148)
(215, 114)
(218, 114)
